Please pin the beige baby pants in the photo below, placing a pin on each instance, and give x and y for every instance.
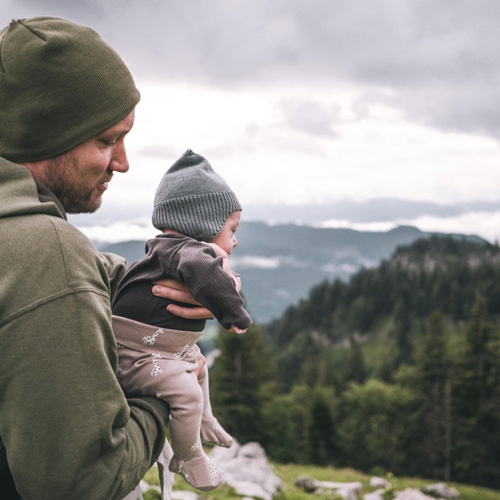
(161, 362)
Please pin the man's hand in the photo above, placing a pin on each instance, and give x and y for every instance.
(173, 290)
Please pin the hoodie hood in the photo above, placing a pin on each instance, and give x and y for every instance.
(21, 195)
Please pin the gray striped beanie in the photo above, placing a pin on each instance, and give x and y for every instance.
(192, 199)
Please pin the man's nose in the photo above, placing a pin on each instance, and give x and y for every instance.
(119, 160)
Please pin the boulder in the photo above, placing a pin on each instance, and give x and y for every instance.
(348, 491)
(307, 484)
(379, 483)
(441, 490)
(412, 494)
(247, 470)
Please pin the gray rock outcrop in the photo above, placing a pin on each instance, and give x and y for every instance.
(379, 483)
(247, 470)
(412, 494)
(441, 490)
(348, 491)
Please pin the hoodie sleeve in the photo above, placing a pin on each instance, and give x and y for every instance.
(116, 267)
(201, 270)
(67, 428)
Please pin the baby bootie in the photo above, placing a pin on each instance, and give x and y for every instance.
(199, 472)
(212, 433)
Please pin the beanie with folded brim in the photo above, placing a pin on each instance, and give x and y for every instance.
(60, 84)
(193, 199)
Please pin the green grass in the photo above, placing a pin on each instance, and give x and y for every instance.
(289, 473)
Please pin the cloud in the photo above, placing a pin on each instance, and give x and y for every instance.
(438, 59)
(436, 62)
(311, 117)
(140, 229)
(483, 224)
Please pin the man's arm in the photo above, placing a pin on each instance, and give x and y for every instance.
(67, 428)
(116, 267)
(74, 435)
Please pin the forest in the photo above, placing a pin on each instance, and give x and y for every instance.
(396, 370)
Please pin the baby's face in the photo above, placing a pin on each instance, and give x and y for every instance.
(226, 239)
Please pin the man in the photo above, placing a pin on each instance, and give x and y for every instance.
(67, 431)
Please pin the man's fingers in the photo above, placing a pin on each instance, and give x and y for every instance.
(173, 290)
(189, 312)
(179, 295)
(170, 283)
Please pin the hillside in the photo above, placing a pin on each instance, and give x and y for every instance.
(279, 264)
(396, 369)
(434, 274)
(289, 473)
(403, 361)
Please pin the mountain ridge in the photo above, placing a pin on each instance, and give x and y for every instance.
(280, 263)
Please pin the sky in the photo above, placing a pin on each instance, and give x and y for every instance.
(312, 102)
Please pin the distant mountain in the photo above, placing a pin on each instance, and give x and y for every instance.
(279, 264)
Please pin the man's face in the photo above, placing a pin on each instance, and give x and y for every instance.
(80, 176)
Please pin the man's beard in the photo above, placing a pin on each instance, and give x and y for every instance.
(76, 199)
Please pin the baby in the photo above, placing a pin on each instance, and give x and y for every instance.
(198, 214)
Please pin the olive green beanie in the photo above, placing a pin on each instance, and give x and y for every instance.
(192, 199)
(60, 84)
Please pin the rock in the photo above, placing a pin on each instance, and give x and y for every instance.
(412, 494)
(348, 491)
(379, 482)
(306, 483)
(441, 490)
(247, 470)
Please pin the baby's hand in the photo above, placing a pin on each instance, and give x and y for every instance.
(235, 329)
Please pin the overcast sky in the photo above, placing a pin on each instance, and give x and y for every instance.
(305, 101)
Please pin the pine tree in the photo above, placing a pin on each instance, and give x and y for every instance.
(356, 370)
(434, 389)
(237, 381)
(322, 442)
(477, 388)
(402, 329)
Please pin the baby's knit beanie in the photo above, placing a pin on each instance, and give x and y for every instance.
(60, 84)
(193, 199)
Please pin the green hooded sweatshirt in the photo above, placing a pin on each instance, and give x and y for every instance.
(66, 429)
